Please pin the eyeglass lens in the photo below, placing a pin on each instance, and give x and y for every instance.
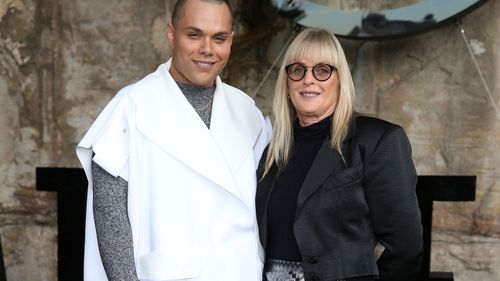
(320, 71)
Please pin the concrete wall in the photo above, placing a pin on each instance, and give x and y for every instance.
(61, 61)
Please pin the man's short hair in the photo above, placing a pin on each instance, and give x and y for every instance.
(180, 3)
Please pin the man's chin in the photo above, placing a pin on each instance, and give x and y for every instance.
(204, 82)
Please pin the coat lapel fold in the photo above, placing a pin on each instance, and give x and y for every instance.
(184, 136)
(234, 125)
(327, 161)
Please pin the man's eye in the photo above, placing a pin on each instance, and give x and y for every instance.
(220, 38)
(193, 35)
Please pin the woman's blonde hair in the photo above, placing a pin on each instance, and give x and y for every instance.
(318, 46)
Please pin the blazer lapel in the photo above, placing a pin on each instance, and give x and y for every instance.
(327, 160)
(171, 123)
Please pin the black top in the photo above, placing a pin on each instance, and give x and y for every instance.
(283, 200)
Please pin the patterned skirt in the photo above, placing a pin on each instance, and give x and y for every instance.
(280, 270)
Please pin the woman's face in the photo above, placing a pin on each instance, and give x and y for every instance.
(313, 100)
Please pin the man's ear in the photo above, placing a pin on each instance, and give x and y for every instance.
(170, 34)
(231, 36)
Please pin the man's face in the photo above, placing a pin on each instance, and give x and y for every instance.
(201, 41)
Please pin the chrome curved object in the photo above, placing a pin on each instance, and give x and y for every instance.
(384, 24)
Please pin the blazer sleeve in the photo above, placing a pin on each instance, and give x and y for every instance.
(390, 182)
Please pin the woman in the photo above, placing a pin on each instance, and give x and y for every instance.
(333, 185)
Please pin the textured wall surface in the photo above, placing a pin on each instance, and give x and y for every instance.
(429, 85)
(62, 60)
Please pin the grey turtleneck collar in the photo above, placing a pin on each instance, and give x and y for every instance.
(200, 99)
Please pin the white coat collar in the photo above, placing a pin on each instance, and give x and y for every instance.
(167, 118)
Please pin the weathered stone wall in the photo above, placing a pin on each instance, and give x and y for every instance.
(429, 85)
(61, 61)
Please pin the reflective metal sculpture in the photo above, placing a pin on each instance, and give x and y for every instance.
(403, 21)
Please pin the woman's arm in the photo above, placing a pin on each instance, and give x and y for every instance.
(390, 181)
(114, 234)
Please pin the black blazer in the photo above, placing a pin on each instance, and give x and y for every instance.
(345, 208)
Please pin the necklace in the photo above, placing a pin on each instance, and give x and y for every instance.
(209, 103)
(197, 96)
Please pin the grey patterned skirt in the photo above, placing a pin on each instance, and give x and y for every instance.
(280, 270)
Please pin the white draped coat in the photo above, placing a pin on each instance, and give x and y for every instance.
(191, 190)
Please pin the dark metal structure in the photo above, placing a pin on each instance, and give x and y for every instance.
(439, 188)
(3, 276)
(71, 187)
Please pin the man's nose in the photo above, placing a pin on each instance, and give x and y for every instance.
(205, 47)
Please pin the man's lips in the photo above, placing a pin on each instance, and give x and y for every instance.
(203, 64)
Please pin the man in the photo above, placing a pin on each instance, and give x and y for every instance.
(171, 165)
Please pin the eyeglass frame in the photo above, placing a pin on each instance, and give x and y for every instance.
(332, 69)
